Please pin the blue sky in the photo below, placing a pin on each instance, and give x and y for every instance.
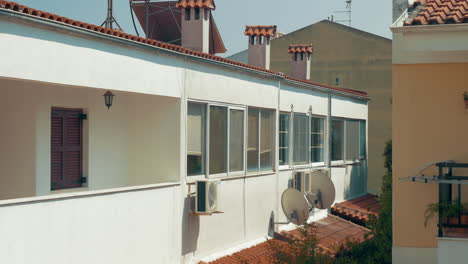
(231, 16)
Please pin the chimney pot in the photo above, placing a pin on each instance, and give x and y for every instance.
(301, 58)
(259, 45)
(195, 24)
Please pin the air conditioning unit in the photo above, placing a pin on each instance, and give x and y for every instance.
(301, 181)
(206, 201)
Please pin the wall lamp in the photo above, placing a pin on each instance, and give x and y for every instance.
(108, 99)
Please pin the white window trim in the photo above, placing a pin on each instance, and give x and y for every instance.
(259, 165)
(206, 157)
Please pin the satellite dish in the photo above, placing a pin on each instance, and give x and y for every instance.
(322, 190)
(295, 206)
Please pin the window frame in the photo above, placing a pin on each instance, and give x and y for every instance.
(203, 143)
(206, 159)
(325, 141)
(274, 147)
(289, 146)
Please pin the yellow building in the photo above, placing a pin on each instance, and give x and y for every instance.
(430, 123)
(346, 57)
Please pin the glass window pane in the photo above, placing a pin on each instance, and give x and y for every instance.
(252, 145)
(337, 140)
(236, 141)
(352, 140)
(284, 139)
(267, 140)
(362, 139)
(195, 139)
(300, 139)
(317, 139)
(218, 139)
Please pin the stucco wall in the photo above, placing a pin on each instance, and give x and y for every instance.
(123, 227)
(430, 123)
(135, 142)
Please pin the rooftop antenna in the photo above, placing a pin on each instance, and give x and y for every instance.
(110, 19)
(348, 12)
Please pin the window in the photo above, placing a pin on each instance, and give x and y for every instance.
(261, 140)
(196, 119)
(219, 129)
(236, 140)
(352, 140)
(317, 139)
(267, 139)
(66, 148)
(362, 139)
(206, 13)
(187, 13)
(337, 140)
(197, 13)
(253, 138)
(284, 139)
(300, 139)
(218, 140)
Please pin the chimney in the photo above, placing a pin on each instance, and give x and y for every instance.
(196, 15)
(259, 45)
(301, 56)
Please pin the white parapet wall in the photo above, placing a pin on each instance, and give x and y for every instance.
(120, 226)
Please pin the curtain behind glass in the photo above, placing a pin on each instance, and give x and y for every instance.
(218, 139)
(252, 145)
(236, 141)
(195, 139)
(267, 140)
(300, 139)
(337, 140)
(352, 140)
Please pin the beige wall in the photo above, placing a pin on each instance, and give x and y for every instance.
(361, 61)
(430, 123)
(135, 142)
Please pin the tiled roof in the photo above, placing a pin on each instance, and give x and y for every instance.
(439, 12)
(266, 31)
(300, 48)
(358, 210)
(196, 3)
(331, 232)
(15, 7)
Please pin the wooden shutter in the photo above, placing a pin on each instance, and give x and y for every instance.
(66, 148)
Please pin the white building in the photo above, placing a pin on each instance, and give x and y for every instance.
(84, 183)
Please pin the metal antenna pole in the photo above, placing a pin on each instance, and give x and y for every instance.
(108, 23)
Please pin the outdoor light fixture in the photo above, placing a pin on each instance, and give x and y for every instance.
(108, 98)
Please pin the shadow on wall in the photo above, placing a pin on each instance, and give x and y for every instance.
(190, 227)
(356, 179)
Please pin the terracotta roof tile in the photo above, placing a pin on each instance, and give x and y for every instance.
(196, 3)
(12, 6)
(266, 31)
(331, 232)
(300, 48)
(358, 210)
(436, 12)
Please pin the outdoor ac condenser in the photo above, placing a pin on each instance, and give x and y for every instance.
(301, 181)
(206, 201)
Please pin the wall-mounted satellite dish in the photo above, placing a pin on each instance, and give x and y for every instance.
(295, 206)
(322, 190)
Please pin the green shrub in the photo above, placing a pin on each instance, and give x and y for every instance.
(377, 249)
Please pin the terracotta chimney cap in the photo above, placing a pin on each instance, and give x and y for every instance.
(300, 48)
(266, 31)
(209, 4)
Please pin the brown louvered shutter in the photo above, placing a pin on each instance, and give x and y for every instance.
(66, 148)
